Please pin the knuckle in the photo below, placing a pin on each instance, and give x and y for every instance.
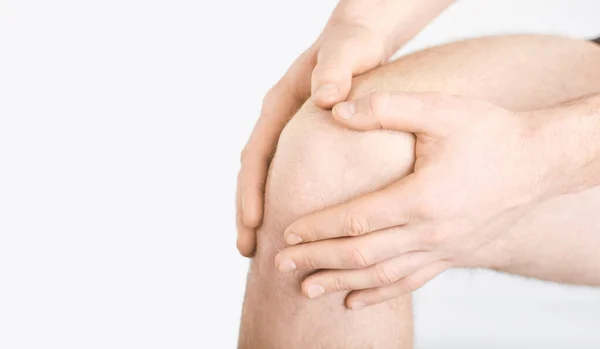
(423, 208)
(306, 231)
(378, 103)
(380, 294)
(328, 58)
(311, 262)
(323, 75)
(358, 258)
(430, 207)
(412, 284)
(328, 71)
(280, 95)
(321, 70)
(356, 224)
(385, 276)
(441, 234)
(251, 155)
(271, 95)
(433, 238)
(244, 154)
(340, 285)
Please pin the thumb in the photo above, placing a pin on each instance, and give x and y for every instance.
(337, 63)
(418, 112)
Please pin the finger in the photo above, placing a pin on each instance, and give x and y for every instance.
(246, 240)
(246, 237)
(416, 112)
(279, 105)
(381, 274)
(277, 108)
(339, 59)
(411, 283)
(386, 208)
(253, 175)
(346, 253)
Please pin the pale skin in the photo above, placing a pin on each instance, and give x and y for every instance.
(360, 35)
(320, 164)
(478, 169)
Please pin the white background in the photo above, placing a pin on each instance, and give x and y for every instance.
(120, 127)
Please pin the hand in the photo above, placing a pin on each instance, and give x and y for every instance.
(359, 36)
(477, 165)
(343, 51)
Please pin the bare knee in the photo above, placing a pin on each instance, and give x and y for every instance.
(319, 164)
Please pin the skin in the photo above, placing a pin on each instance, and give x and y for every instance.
(320, 164)
(478, 169)
(359, 36)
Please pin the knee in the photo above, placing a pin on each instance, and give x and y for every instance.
(318, 164)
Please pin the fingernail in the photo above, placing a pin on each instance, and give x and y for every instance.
(356, 305)
(314, 291)
(293, 239)
(346, 110)
(287, 265)
(326, 91)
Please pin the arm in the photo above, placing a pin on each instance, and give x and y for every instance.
(488, 201)
(319, 164)
(398, 21)
(570, 139)
(558, 239)
(360, 35)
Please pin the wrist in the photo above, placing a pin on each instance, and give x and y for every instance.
(378, 16)
(394, 22)
(412, 16)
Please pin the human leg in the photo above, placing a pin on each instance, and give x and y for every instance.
(318, 164)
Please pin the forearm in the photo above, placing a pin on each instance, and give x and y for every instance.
(318, 165)
(397, 20)
(570, 137)
(558, 239)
